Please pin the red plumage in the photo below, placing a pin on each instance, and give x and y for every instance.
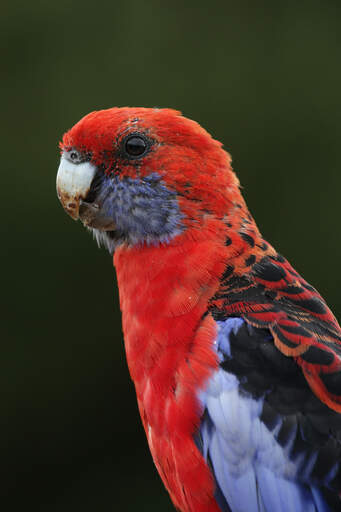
(168, 292)
(168, 347)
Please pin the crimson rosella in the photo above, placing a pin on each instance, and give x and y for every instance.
(235, 358)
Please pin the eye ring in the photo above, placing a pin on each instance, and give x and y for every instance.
(74, 156)
(135, 145)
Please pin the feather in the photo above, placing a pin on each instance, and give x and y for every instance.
(260, 465)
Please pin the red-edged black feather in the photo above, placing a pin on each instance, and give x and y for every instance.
(273, 295)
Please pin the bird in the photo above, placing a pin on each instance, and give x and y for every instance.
(235, 358)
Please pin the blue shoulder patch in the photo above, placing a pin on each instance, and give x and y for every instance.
(254, 472)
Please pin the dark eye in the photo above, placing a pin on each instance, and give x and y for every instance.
(135, 145)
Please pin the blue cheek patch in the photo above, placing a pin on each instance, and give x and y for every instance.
(144, 210)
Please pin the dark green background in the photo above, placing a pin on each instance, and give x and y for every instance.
(264, 78)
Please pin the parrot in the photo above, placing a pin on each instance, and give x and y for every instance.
(235, 358)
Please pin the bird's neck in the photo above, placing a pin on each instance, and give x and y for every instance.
(165, 289)
(164, 293)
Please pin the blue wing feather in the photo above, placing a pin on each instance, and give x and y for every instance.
(256, 464)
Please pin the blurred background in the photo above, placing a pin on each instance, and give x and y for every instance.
(262, 77)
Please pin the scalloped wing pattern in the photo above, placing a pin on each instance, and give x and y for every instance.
(276, 297)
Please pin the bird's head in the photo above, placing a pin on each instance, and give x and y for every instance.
(144, 176)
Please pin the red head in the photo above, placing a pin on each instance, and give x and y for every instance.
(150, 174)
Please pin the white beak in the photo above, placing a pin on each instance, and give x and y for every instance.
(73, 184)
